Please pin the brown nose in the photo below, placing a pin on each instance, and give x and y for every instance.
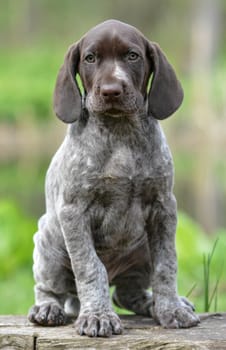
(111, 91)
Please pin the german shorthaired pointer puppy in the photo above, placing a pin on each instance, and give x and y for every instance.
(110, 211)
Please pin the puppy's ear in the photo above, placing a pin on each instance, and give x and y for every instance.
(67, 102)
(165, 94)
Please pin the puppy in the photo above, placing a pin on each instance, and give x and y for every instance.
(110, 211)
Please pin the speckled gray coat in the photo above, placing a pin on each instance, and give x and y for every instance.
(110, 211)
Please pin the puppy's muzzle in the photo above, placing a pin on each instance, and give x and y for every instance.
(112, 92)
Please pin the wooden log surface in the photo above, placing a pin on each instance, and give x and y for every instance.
(140, 333)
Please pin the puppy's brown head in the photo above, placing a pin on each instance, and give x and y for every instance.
(115, 62)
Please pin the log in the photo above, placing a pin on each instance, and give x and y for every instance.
(140, 333)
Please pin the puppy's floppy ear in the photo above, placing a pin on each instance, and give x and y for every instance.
(67, 102)
(165, 94)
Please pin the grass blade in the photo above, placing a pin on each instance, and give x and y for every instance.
(191, 290)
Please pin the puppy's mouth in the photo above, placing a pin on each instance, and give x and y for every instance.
(115, 112)
(128, 107)
(112, 111)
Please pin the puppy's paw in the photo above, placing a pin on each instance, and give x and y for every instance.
(175, 314)
(102, 324)
(186, 303)
(48, 314)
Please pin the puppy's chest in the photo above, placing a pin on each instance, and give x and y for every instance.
(125, 162)
(123, 193)
(118, 213)
(118, 187)
(116, 176)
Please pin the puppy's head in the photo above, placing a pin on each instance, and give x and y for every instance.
(115, 62)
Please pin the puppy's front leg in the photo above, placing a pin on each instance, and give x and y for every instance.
(168, 309)
(96, 317)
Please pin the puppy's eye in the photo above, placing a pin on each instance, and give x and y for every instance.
(132, 56)
(90, 58)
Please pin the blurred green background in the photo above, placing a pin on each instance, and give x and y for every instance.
(34, 36)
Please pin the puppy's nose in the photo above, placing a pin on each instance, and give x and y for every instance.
(111, 91)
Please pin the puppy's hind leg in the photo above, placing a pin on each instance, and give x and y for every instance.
(131, 291)
(54, 280)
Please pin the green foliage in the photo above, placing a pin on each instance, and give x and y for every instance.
(16, 292)
(27, 84)
(192, 245)
(207, 263)
(16, 232)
